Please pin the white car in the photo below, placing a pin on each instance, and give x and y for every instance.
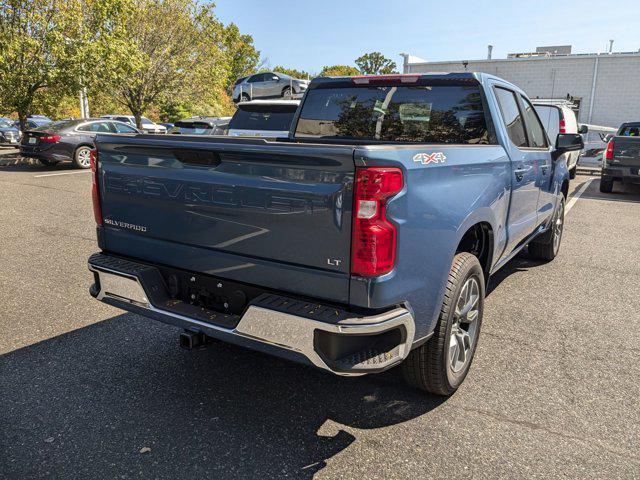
(263, 118)
(147, 125)
(558, 116)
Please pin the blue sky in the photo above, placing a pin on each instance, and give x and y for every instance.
(310, 34)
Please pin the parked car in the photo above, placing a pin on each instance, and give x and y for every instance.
(68, 140)
(202, 126)
(147, 125)
(9, 134)
(621, 161)
(268, 85)
(263, 118)
(363, 240)
(34, 122)
(558, 117)
(166, 125)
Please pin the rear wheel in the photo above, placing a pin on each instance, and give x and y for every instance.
(82, 157)
(244, 97)
(547, 246)
(606, 184)
(441, 365)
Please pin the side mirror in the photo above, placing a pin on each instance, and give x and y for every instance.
(583, 129)
(567, 142)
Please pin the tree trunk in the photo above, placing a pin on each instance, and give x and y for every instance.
(138, 116)
(22, 117)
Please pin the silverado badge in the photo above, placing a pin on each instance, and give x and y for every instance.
(427, 158)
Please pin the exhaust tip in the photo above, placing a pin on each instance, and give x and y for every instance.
(190, 340)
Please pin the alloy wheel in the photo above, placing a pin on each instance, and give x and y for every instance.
(558, 224)
(464, 328)
(84, 157)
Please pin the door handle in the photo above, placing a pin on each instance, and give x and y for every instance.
(519, 173)
(544, 168)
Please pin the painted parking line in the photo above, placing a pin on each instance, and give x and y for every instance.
(576, 196)
(61, 173)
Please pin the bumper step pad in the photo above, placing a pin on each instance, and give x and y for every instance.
(157, 292)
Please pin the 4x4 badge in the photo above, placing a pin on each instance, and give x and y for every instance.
(427, 158)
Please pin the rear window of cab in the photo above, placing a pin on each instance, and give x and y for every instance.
(420, 114)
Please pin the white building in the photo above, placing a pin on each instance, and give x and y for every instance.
(605, 86)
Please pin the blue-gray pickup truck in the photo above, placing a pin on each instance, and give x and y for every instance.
(361, 241)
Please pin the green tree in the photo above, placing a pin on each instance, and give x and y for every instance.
(241, 56)
(375, 63)
(172, 52)
(292, 72)
(47, 49)
(339, 71)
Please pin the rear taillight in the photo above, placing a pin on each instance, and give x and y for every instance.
(608, 154)
(373, 242)
(95, 191)
(50, 139)
(563, 126)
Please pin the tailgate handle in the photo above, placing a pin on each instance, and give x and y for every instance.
(197, 157)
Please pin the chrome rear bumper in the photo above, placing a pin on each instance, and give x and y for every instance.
(354, 345)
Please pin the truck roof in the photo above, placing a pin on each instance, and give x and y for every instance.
(479, 77)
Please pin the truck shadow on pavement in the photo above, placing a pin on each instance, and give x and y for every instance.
(84, 404)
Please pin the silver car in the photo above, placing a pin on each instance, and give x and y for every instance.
(268, 85)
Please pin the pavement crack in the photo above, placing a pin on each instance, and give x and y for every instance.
(589, 441)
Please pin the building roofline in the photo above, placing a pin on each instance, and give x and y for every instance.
(535, 58)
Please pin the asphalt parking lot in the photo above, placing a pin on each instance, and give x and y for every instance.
(553, 391)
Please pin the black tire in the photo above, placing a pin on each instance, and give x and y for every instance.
(606, 184)
(48, 163)
(545, 246)
(428, 367)
(572, 172)
(81, 157)
(245, 97)
(286, 92)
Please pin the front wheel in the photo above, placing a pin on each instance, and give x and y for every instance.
(572, 172)
(441, 365)
(547, 246)
(286, 93)
(82, 157)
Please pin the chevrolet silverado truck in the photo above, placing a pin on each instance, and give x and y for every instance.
(621, 159)
(361, 241)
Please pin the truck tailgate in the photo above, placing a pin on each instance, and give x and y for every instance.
(626, 151)
(266, 213)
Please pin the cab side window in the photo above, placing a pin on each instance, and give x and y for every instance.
(535, 130)
(511, 116)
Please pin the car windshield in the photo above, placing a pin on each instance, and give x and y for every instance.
(4, 124)
(40, 121)
(426, 114)
(263, 117)
(145, 120)
(193, 128)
